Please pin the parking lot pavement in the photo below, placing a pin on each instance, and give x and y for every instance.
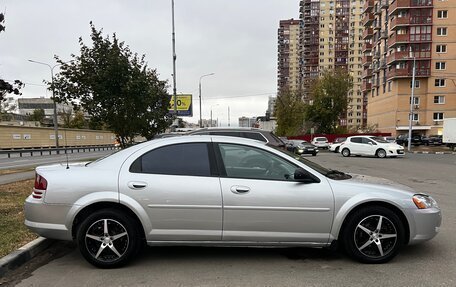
(430, 264)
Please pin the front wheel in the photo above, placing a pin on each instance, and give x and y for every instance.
(108, 238)
(336, 150)
(314, 154)
(346, 152)
(381, 153)
(373, 235)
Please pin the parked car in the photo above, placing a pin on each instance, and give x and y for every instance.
(251, 133)
(321, 142)
(390, 139)
(371, 146)
(334, 147)
(434, 140)
(212, 190)
(302, 147)
(416, 140)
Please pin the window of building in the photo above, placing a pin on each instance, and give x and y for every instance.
(438, 117)
(440, 66)
(416, 117)
(442, 14)
(420, 33)
(442, 31)
(389, 85)
(417, 84)
(416, 100)
(439, 100)
(441, 48)
(440, 82)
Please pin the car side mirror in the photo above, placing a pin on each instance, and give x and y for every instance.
(303, 176)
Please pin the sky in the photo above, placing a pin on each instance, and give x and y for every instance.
(235, 39)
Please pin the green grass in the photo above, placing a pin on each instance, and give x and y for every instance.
(13, 233)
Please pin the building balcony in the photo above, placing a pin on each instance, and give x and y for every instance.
(408, 73)
(366, 86)
(368, 19)
(368, 5)
(367, 59)
(398, 56)
(384, 3)
(399, 22)
(367, 47)
(367, 73)
(397, 5)
(398, 39)
(367, 34)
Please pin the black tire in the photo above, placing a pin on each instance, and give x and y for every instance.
(103, 251)
(345, 152)
(336, 150)
(364, 243)
(380, 153)
(314, 154)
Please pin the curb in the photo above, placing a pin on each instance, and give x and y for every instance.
(23, 254)
(432, 152)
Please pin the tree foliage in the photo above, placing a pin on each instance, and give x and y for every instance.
(329, 96)
(74, 121)
(289, 111)
(6, 87)
(115, 86)
(37, 115)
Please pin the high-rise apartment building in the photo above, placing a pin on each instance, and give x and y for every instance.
(331, 39)
(289, 55)
(401, 34)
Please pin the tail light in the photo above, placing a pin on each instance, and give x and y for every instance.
(40, 187)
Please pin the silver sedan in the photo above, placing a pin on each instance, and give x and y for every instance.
(212, 190)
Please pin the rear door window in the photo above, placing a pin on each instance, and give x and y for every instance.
(180, 159)
(356, 140)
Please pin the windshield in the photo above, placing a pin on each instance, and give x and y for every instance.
(333, 174)
(379, 140)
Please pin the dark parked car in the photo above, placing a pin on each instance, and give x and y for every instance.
(302, 147)
(251, 133)
(416, 140)
(434, 140)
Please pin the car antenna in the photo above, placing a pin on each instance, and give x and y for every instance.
(66, 151)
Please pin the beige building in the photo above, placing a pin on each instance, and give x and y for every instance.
(288, 66)
(331, 39)
(399, 33)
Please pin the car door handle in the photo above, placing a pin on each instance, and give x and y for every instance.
(137, 184)
(239, 189)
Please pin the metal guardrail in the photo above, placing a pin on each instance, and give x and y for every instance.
(63, 150)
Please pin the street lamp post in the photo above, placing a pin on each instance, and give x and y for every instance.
(412, 98)
(199, 87)
(174, 60)
(56, 129)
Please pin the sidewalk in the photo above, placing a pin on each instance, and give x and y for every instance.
(422, 149)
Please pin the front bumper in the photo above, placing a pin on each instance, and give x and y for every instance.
(47, 220)
(395, 152)
(425, 224)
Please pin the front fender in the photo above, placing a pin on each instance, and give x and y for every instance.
(358, 200)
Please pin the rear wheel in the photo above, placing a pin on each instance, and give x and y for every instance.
(346, 152)
(108, 238)
(373, 235)
(381, 153)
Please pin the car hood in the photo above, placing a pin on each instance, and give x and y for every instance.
(378, 182)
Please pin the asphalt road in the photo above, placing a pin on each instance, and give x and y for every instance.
(430, 264)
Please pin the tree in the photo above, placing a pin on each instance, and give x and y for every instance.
(6, 87)
(289, 111)
(329, 100)
(116, 88)
(37, 115)
(74, 121)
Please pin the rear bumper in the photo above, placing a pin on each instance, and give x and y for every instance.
(47, 220)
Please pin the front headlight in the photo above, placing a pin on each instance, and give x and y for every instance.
(424, 201)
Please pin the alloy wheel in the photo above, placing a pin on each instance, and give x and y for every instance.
(375, 236)
(107, 240)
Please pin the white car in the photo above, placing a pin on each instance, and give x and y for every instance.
(370, 145)
(320, 142)
(335, 146)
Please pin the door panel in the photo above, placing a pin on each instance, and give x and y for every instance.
(179, 207)
(272, 211)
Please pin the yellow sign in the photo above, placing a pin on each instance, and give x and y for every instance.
(184, 105)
